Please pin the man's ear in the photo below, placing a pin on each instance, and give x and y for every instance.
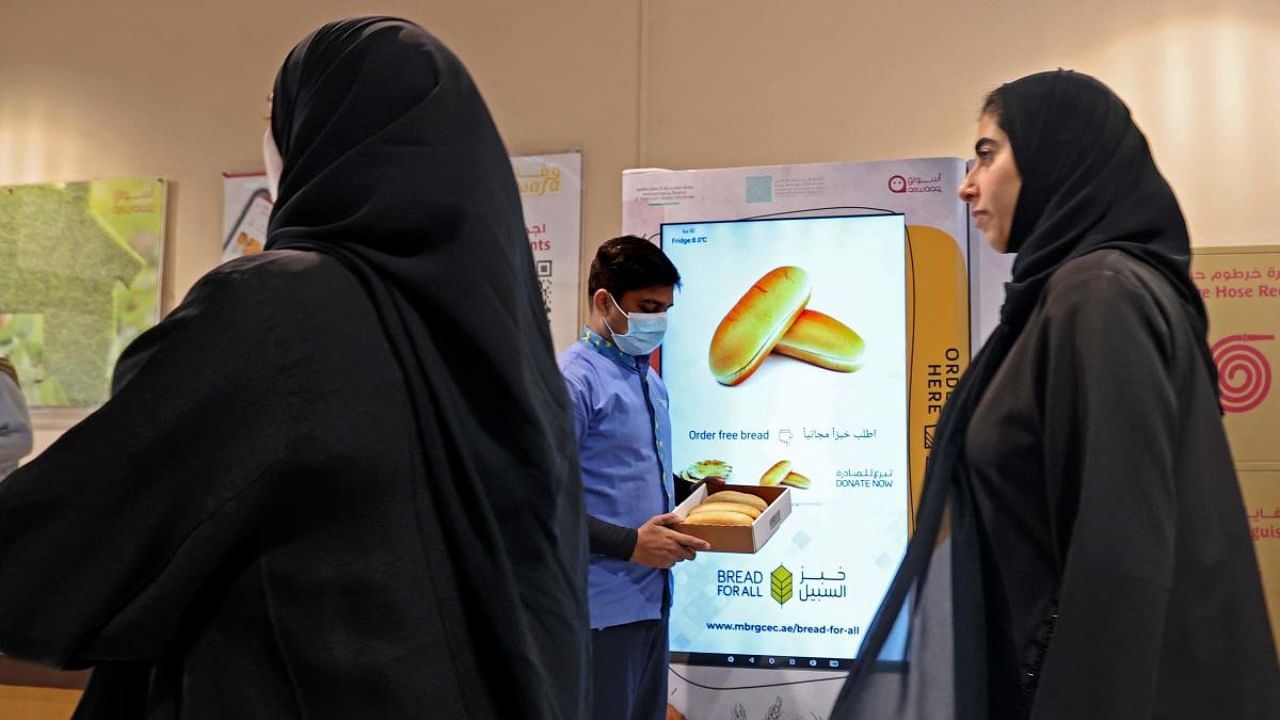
(600, 301)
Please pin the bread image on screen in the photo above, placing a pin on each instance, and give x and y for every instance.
(727, 507)
(772, 317)
(822, 340)
(780, 474)
(796, 480)
(756, 323)
(774, 475)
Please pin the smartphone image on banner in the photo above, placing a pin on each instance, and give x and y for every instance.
(249, 234)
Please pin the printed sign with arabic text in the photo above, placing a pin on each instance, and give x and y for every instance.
(1241, 291)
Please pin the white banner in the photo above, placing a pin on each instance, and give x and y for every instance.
(246, 209)
(804, 600)
(550, 192)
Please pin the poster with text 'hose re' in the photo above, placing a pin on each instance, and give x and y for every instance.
(1241, 291)
(785, 359)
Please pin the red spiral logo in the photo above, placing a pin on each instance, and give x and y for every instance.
(1244, 375)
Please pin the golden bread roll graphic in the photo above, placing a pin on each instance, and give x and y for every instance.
(708, 506)
(775, 474)
(734, 496)
(824, 341)
(796, 480)
(752, 329)
(719, 517)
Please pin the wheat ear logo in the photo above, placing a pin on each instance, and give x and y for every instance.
(780, 585)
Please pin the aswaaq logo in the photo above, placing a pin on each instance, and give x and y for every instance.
(901, 184)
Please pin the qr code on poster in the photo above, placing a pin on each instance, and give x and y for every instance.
(544, 279)
(546, 294)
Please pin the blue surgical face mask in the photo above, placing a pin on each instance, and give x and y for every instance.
(644, 331)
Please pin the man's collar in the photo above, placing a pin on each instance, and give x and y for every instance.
(605, 347)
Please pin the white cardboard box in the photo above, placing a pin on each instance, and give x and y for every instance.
(737, 538)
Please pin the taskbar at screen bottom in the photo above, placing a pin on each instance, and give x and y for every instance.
(765, 662)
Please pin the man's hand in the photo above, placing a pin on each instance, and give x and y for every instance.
(658, 546)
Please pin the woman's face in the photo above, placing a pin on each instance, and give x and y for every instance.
(991, 188)
(271, 153)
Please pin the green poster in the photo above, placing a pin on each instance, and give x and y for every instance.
(79, 280)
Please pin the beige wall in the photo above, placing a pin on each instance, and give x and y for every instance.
(177, 88)
(739, 82)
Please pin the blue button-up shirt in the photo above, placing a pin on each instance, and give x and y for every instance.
(620, 411)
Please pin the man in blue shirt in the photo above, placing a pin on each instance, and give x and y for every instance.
(621, 414)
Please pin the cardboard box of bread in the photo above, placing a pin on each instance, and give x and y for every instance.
(734, 518)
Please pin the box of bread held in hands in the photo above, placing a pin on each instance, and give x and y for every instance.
(733, 518)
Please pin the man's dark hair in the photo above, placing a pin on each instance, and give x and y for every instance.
(629, 263)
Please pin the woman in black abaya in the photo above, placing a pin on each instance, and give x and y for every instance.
(1081, 548)
(339, 480)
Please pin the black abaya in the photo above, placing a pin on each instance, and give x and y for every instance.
(339, 480)
(1080, 496)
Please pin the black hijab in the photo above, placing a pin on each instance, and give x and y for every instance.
(393, 166)
(1088, 183)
